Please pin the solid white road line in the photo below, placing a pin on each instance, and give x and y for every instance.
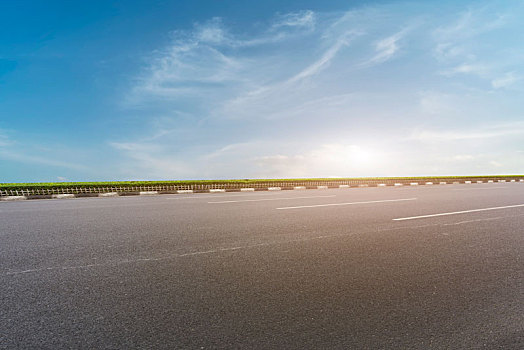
(458, 212)
(350, 203)
(267, 199)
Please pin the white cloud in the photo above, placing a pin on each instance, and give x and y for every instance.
(386, 48)
(26, 158)
(4, 139)
(466, 68)
(465, 45)
(326, 58)
(504, 81)
(295, 19)
(212, 32)
(152, 161)
(492, 131)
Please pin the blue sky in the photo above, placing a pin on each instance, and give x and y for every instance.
(117, 90)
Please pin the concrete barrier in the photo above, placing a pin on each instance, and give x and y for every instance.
(247, 189)
(13, 198)
(274, 189)
(148, 193)
(217, 190)
(108, 194)
(63, 196)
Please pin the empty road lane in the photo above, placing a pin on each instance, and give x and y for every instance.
(422, 267)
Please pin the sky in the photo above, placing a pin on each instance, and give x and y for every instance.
(165, 90)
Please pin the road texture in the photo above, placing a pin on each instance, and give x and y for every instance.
(374, 268)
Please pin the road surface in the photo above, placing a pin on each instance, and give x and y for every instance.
(422, 267)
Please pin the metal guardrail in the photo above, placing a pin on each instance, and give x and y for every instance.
(257, 185)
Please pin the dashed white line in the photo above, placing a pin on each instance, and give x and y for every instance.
(349, 203)
(267, 199)
(458, 212)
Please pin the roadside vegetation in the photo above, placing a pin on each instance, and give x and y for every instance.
(50, 185)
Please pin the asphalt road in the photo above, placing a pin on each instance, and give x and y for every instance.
(315, 269)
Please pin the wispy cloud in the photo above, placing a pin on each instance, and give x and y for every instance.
(4, 139)
(504, 81)
(467, 68)
(29, 153)
(20, 157)
(152, 161)
(464, 45)
(305, 18)
(487, 132)
(326, 58)
(386, 48)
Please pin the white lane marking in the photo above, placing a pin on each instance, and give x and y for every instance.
(458, 212)
(350, 203)
(479, 189)
(267, 199)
